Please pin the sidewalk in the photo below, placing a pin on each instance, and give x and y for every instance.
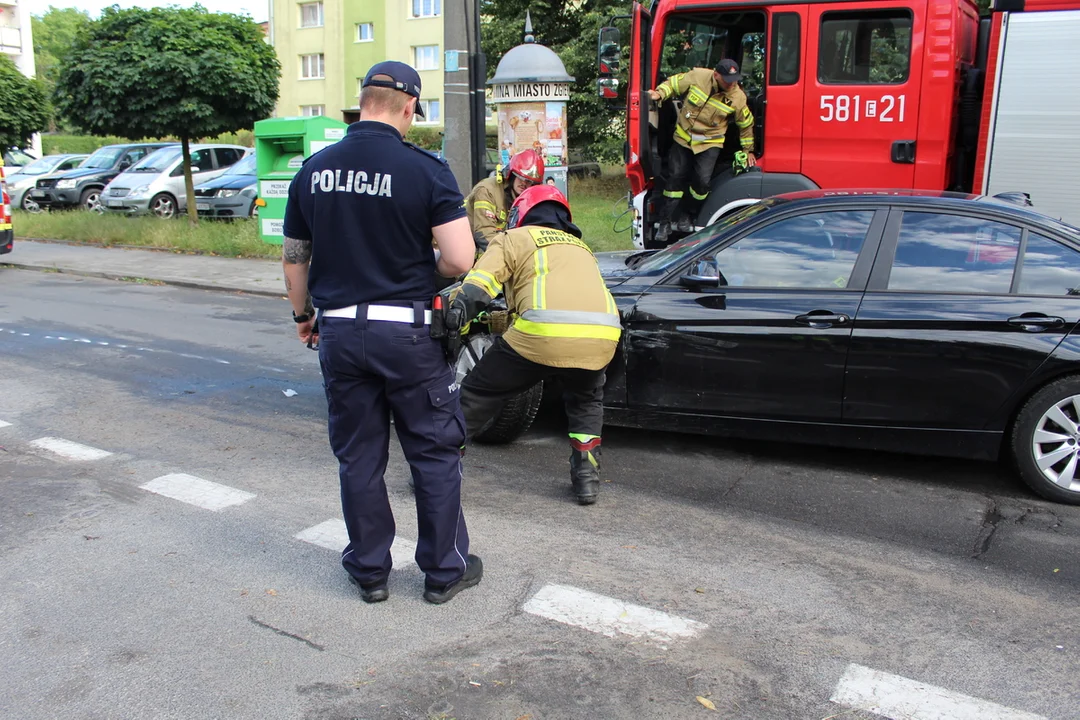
(258, 277)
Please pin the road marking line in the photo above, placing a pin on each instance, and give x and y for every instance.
(899, 698)
(333, 535)
(608, 616)
(196, 491)
(4, 424)
(69, 450)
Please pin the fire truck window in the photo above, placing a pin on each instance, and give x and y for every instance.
(690, 43)
(785, 49)
(953, 253)
(753, 62)
(1049, 268)
(865, 47)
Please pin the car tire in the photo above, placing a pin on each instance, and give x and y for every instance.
(1038, 438)
(90, 200)
(27, 203)
(517, 415)
(163, 205)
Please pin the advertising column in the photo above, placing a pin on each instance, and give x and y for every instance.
(532, 116)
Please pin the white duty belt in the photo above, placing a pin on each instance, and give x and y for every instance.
(385, 313)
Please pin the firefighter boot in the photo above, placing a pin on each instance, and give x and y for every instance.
(585, 469)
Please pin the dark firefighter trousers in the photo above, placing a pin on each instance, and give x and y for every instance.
(372, 369)
(684, 165)
(502, 373)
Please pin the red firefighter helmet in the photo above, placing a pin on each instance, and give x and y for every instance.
(527, 165)
(532, 197)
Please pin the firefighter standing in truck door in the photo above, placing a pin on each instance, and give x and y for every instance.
(566, 326)
(489, 202)
(359, 225)
(711, 100)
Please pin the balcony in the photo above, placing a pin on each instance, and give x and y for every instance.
(10, 40)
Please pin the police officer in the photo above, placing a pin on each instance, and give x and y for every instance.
(711, 100)
(567, 325)
(359, 225)
(489, 202)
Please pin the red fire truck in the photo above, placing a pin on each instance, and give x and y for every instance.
(866, 94)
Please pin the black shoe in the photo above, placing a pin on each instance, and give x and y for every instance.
(662, 233)
(371, 592)
(585, 474)
(474, 572)
(685, 225)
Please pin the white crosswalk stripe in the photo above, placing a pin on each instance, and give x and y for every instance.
(333, 535)
(196, 491)
(69, 450)
(898, 698)
(608, 616)
(4, 424)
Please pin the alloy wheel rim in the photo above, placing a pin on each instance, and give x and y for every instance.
(163, 208)
(93, 202)
(29, 205)
(471, 352)
(1055, 444)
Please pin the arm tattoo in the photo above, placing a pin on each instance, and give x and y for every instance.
(296, 252)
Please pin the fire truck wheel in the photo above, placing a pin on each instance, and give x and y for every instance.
(1045, 441)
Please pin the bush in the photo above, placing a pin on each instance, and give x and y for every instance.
(56, 144)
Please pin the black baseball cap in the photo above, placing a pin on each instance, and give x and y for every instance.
(396, 76)
(729, 70)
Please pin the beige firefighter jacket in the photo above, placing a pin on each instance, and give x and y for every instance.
(707, 109)
(564, 315)
(487, 207)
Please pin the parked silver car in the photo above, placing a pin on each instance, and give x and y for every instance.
(231, 194)
(25, 178)
(155, 185)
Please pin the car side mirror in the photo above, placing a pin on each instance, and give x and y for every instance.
(124, 164)
(702, 274)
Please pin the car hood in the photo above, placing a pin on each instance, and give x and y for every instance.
(613, 266)
(84, 172)
(229, 182)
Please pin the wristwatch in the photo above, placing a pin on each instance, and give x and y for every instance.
(300, 318)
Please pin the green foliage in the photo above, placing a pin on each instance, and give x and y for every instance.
(58, 144)
(24, 109)
(54, 35)
(180, 72)
(570, 28)
(429, 138)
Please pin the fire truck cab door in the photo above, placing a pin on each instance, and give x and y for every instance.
(863, 80)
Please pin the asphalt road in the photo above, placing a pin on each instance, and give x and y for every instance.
(763, 579)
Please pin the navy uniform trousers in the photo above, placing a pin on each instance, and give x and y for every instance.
(371, 369)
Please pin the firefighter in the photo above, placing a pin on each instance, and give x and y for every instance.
(711, 99)
(566, 326)
(490, 201)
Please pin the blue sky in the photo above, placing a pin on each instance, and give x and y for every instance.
(257, 9)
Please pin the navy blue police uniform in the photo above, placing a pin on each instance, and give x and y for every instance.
(368, 203)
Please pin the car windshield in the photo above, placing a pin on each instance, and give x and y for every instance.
(675, 254)
(42, 166)
(157, 162)
(244, 167)
(103, 158)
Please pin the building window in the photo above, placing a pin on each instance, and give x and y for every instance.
(426, 8)
(311, 15)
(426, 57)
(312, 110)
(312, 66)
(365, 32)
(431, 111)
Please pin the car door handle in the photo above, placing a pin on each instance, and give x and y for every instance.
(1036, 322)
(822, 319)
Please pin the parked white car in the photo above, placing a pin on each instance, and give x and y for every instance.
(25, 178)
(155, 185)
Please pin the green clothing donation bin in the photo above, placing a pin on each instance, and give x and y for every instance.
(281, 146)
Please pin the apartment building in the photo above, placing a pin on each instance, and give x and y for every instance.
(326, 47)
(17, 42)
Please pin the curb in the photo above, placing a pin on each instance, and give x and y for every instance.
(124, 278)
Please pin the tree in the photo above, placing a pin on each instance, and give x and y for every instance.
(570, 28)
(24, 108)
(184, 73)
(54, 35)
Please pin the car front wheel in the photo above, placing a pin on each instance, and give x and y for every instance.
(517, 414)
(29, 205)
(163, 206)
(1046, 441)
(91, 200)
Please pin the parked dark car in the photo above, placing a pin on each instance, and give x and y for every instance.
(82, 187)
(902, 321)
(580, 166)
(231, 194)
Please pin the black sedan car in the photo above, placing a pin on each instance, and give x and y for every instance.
(902, 321)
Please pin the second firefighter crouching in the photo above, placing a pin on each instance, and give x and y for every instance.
(567, 326)
(488, 205)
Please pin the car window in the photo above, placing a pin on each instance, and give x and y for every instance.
(954, 253)
(672, 255)
(1049, 268)
(243, 167)
(72, 163)
(39, 167)
(201, 159)
(136, 154)
(816, 250)
(103, 158)
(227, 156)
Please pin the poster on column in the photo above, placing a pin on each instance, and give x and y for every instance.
(533, 126)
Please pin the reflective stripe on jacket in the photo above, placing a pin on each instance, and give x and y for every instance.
(565, 316)
(707, 109)
(487, 208)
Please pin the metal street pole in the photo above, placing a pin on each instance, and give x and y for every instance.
(463, 77)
